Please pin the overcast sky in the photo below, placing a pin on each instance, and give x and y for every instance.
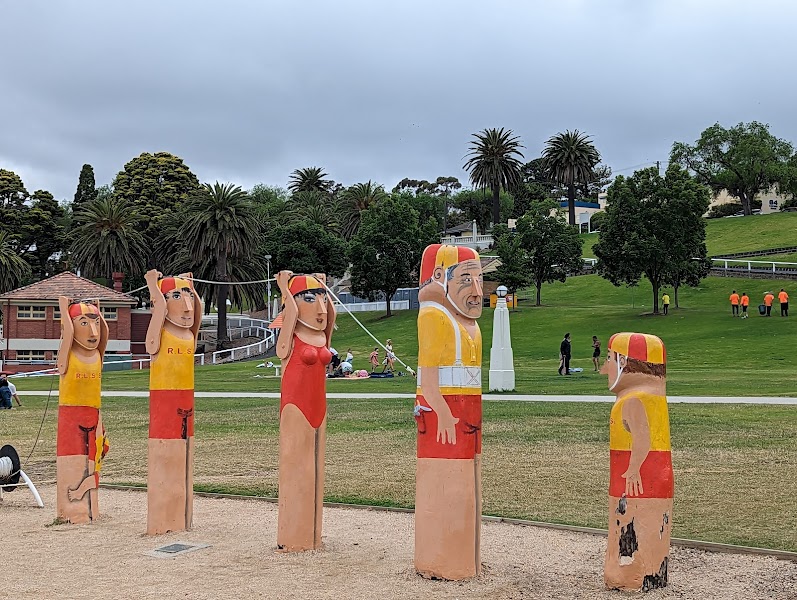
(249, 91)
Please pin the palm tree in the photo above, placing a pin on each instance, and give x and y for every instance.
(13, 268)
(493, 163)
(220, 222)
(108, 238)
(570, 158)
(315, 207)
(308, 180)
(356, 199)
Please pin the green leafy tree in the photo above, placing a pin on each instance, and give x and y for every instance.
(535, 185)
(494, 163)
(305, 247)
(43, 233)
(597, 220)
(545, 246)
(13, 268)
(472, 207)
(356, 199)
(570, 160)
(154, 185)
(514, 271)
(744, 160)
(653, 225)
(310, 179)
(108, 238)
(86, 188)
(220, 222)
(12, 192)
(386, 251)
(13, 196)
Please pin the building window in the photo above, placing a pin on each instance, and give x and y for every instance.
(24, 355)
(110, 314)
(56, 313)
(31, 312)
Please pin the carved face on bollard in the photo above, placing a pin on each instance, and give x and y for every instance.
(311, 302)
(86, 323)
(179, 301)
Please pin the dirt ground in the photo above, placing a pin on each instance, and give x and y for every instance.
(367, 554)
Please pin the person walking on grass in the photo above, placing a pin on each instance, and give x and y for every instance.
(564, 355)
(783, 298)
(734, 304)
(596, 351)
(373, 358)
(745, 300)
(665, 302)
(769, 297)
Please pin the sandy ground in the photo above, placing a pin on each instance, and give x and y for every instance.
(367, 554)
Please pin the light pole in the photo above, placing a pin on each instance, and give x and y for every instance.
(268, 285)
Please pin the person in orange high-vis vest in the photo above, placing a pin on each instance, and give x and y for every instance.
(769, 298)
(640, 467)
(81, 441)
(783, 298)
(448, 412)
(171, 341)
(745, 300)
(734, 298)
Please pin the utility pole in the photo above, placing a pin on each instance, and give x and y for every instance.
(658, 167)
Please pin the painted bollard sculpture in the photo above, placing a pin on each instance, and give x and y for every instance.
(81, 442)
(640, 473)
(171, 341)
(303, 346)
(448, 412)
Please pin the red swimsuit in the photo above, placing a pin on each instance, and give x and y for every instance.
(304, 381)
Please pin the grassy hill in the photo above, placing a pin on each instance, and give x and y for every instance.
(709, 352)
(738, 234)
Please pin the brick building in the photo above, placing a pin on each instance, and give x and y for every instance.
(32, 321)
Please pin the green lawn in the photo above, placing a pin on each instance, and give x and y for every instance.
(709, 352)
(741, 234)
(734, 465)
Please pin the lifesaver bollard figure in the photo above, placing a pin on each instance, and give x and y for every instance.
(640, 472)
(303, 346)
(81, 441)
(171, 342)
(448, 413)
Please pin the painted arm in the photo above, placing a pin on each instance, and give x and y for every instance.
(153, 341)
(446, 421)
(290, 314)
(635, 420)
(104, 335)
(67, 335)
(198, 308)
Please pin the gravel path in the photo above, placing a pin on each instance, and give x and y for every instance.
(367, 554)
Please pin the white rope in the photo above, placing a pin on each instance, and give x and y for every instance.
(365, 329)
(143, 287)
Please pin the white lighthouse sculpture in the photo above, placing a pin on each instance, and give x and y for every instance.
(502, 369)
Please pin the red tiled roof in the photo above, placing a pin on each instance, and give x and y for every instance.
(70, 285)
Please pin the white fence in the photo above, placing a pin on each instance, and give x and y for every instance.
(753, 266)
(377, 306)
(247, 327)
(479, 241)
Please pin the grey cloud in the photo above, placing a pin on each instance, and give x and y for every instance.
(248, 91)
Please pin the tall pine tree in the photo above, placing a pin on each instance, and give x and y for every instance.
(86, 190)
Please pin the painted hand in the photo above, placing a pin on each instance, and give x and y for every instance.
(633, 483)
(283, 277)
(446, 428)
(152, 276)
